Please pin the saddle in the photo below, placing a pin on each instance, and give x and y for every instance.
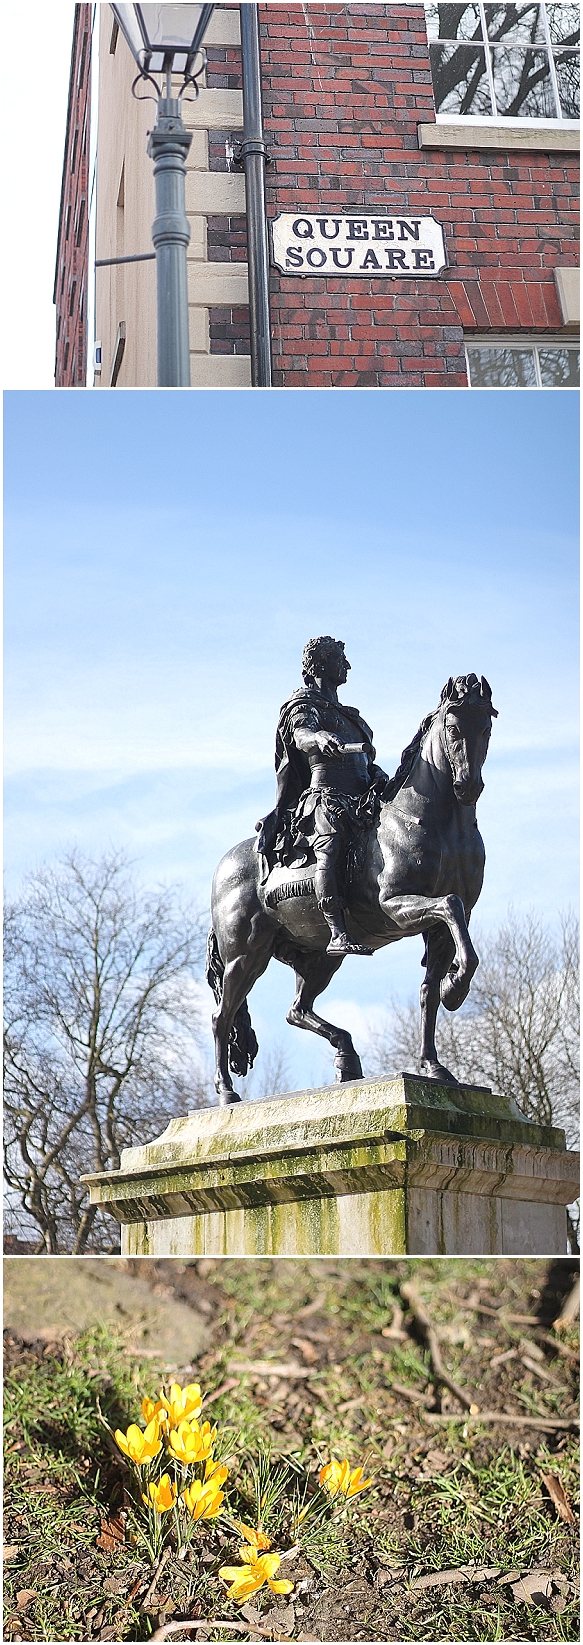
(288, 880)
(283, 883)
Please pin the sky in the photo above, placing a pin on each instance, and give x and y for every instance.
(167, 557)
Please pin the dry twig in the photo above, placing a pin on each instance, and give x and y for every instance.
(422, 1319)
(215, 1622)
(549, 1424)
(225, 1388)
(156, 1577)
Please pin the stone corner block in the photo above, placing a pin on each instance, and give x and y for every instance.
(567, 282)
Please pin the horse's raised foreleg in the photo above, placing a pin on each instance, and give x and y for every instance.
(439, 953)
(413, 915)
(313, 973)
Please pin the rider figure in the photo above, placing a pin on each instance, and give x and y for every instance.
(328, 784)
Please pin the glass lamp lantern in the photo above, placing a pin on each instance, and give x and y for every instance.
(164, 39)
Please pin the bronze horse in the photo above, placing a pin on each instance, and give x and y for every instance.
(420, 872)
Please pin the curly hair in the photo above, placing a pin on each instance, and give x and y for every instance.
(318, 653)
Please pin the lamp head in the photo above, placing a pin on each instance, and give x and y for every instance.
(164, 39)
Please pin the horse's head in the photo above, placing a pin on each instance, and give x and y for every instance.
(467, 713)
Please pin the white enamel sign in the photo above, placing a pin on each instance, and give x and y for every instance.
(361, 244)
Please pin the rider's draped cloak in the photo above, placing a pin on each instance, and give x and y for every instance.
(291, 766)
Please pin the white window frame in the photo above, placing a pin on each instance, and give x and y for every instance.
(506, 120)
(528, 342)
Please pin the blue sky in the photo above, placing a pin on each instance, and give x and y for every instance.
(168, 555)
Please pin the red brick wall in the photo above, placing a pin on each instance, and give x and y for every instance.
(72, 268)
(344, 90)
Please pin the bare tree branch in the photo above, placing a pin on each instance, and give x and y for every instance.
(519, 1030)
(101, 1032)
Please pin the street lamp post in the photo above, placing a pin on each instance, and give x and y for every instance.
(166, 40)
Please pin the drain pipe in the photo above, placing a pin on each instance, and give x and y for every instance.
(252, 153)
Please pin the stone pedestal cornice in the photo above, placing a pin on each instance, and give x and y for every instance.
(365, 1165)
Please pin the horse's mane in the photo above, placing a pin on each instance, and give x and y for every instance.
(467, 688)
(408, 757)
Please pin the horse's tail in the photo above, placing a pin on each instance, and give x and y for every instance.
(243, 1044)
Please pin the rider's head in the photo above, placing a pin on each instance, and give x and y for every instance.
(324, 658)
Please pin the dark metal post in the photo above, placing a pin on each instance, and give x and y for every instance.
(253, 153)
(168, 147)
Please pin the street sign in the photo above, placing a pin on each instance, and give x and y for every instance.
(358, 244)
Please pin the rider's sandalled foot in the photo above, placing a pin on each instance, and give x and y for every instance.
(343, 945)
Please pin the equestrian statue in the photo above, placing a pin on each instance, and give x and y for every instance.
(351, 859)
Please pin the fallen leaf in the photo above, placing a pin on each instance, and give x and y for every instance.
(561, 1582)
(462, 1573)
(24, 1597)
(281, 1620)
(10, 1550)
(250, 1614)
(534, 1588)
(558, 1498)
(111, 1533)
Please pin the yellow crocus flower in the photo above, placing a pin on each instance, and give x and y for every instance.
(153, 1409)
(258, 1539)
(247, 1578)
(217, 1472)
(189, 1443)
(203, 1501)
(163, 1494)
(138, 1444)
(337, 1476)
(183, 1403)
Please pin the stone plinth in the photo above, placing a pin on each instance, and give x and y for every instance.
(369, 1168)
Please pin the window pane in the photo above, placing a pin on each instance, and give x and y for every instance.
(568, 70)
(564, 24)
(453, 22)
(459, 78)
(502, 368)
(559, 367)
(516, 25)
(522, 84)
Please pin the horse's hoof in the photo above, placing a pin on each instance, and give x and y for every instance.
(436, 1071)
(227, 1098)
(453, 990)
(348, 1068)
